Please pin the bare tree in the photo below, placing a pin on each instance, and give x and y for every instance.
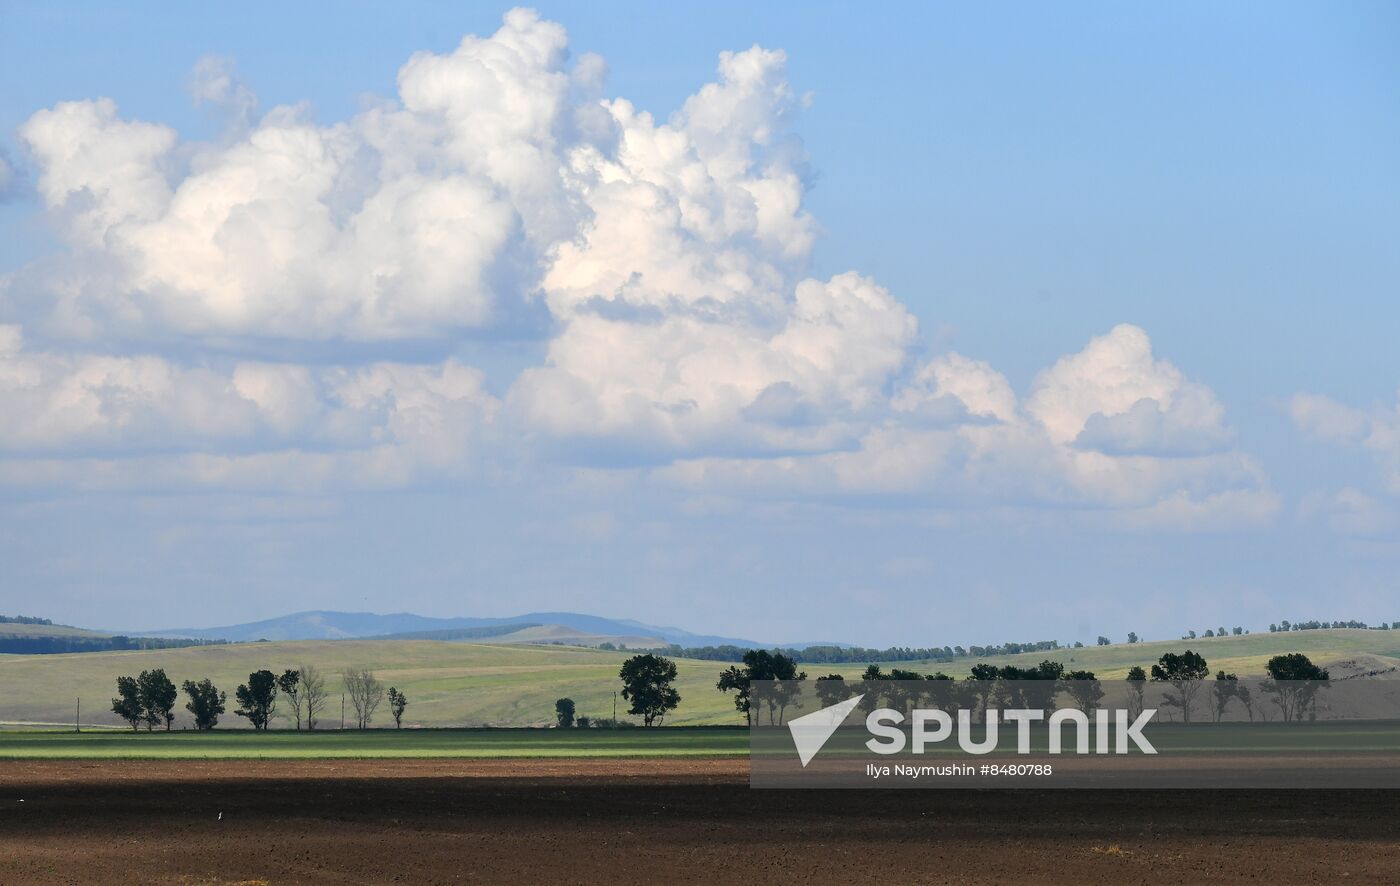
(366, 692)
(313, 693)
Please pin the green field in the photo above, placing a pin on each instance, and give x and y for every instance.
(448, 683)
(9, 630)
(455, 684)
(377, 743)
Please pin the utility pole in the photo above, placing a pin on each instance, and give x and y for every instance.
(78, 718)
(614, 708)
(342, 711)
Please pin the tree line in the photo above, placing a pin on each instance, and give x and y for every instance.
(1293, 682)
(24, 620)
(1285, 626)
(648, 687)
(856, 654)
(149, 699)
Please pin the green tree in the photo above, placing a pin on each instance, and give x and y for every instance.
(984, 676)
(257, 699)
(1184, 673)
(1032, 688)
(1226, 688)
(564, 713)
(646, 683)
(760, 664)
(127, 704)
(158, 697)
(736, 679)
(1084, 688)
(290, 685)
(900, 692)
(831, 689)
(206, 703)
(1294, 682)
(1137, 685)
(1104, 641)
(397, 703)
(1132, 637)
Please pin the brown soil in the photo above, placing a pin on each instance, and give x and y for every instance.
(611, 821)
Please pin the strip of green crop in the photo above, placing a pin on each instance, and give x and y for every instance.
(377, 743)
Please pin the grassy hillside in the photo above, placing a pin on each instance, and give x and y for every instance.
(8, 629)
(1244, 655)
(448, 683)
(467, 684)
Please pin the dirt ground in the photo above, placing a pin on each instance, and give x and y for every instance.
(626, 821)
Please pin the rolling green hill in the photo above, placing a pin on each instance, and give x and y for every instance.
(1244, 655)
(472, 684)
(448, 683)
(12, 629)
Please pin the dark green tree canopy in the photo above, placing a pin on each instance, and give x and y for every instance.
(257, 699)
(759, 664)
(158, 696)
(398, 703)
(1294, 666)
(831, 689)
(1174, 668)
(289, 681)
(646, 683)
(564, 712)
(1084, 688)
(1184, 672)
(127, 704)
(206, 703)
(1294, 682)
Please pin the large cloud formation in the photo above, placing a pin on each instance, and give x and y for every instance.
(957, 434)
(687, 344)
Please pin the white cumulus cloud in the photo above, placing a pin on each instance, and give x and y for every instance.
(1116, 397)
(687, 335)
(1376, 431)
(956, 435)
(106, 410)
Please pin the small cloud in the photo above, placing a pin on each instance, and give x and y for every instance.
(1350, 512)
(215, 82)
(1325, 419)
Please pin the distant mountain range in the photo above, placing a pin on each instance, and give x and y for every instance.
(547, 626)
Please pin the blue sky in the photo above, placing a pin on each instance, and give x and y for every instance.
(1020, 181)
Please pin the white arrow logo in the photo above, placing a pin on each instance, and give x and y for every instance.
(811, 731)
